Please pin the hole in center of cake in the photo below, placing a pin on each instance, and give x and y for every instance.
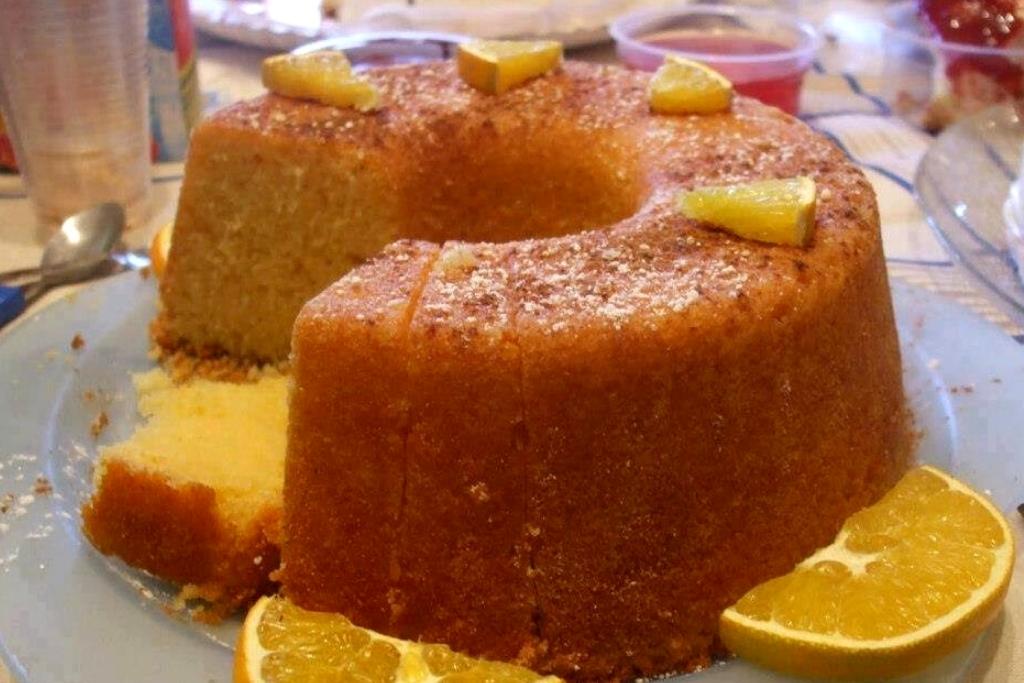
(493, 183)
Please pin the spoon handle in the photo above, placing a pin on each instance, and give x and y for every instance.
(12, 303)
(19, 274)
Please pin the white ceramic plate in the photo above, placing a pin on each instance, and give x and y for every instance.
(286, 25)
(962, 184)
(69, 614)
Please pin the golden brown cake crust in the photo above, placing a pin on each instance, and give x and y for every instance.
(174, 532)
(669, 413)
(465, 501)
(354, 363)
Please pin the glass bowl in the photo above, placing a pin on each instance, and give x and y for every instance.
(388, 48)
(965, 185)
(764, 53)
(933, 82)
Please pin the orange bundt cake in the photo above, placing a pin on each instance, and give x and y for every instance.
(583, 425)
(543, 417)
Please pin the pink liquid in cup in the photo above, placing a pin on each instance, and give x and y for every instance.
(764, 54)
(777, 87)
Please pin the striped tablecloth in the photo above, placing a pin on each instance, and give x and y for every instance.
(888, 149)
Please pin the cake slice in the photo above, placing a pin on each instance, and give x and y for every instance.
(194, 495)
(347, 428)
(465, 485)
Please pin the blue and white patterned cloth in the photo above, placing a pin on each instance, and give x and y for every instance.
(847, 109)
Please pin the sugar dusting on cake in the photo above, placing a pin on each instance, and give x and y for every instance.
(468, 291)
(648, 267)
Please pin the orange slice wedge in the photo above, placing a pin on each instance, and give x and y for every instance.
(907, 581)
(283, 643)
(324, 77)
(682, 86)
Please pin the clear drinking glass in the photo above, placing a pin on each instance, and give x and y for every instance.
(73, 91)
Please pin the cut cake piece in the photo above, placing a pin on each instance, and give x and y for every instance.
(465, 471)
(347, 427)
(194, 495)
(409, 391)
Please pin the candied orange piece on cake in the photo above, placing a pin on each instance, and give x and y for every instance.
(683, 86)
(324, 76)
(775, 211)
(494, 66)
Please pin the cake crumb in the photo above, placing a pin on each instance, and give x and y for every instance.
(99, 424)
(89, 395)
(77, 342)
(183, 365)
(42, 486)
(456, 262)
(479, 492)
(145, 272)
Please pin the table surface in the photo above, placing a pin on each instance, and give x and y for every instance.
(839, 100)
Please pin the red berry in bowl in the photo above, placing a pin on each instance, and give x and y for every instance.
(985, 78)
(990, 23)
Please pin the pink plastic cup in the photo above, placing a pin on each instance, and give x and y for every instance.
(763, 52)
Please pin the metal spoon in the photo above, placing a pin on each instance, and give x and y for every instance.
(77, 251)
